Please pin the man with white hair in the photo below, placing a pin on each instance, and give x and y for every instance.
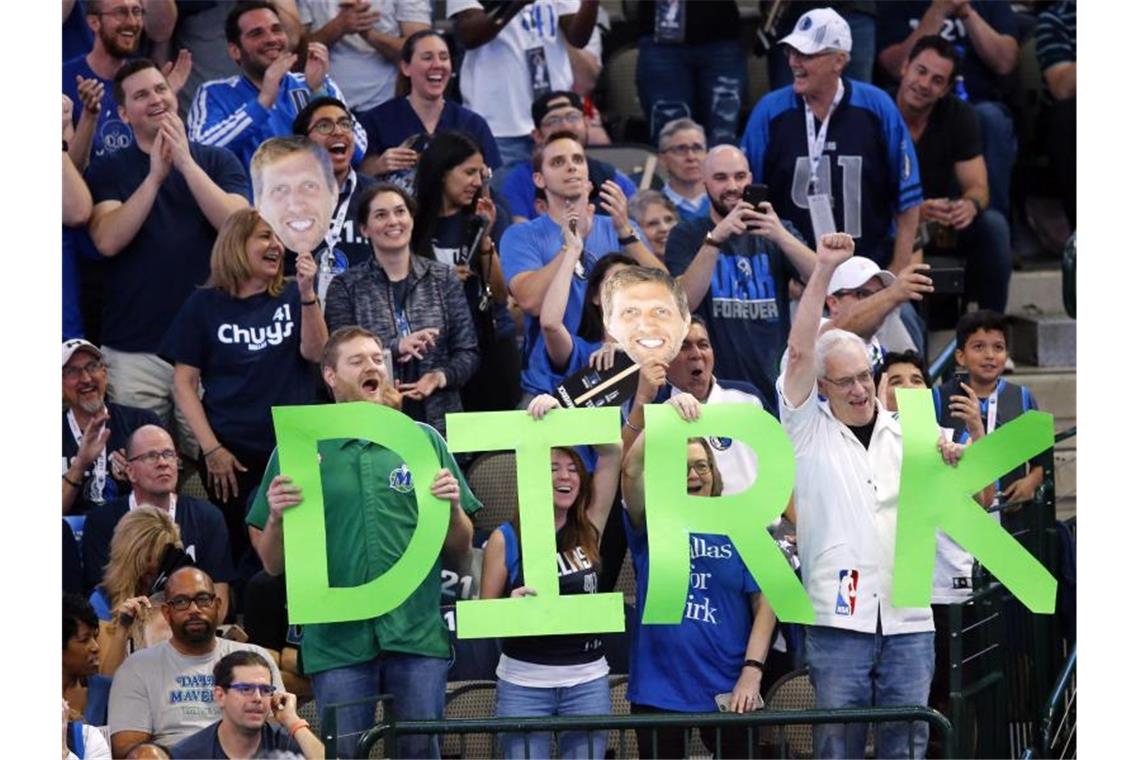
(835, 153)
(734, 264)
(862, 650)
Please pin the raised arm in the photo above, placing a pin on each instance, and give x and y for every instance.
(865, 317)
(892, 57)
(114, 224)
(215, 203)
(607, 476)
(698, 275)
(799, 377)
(633, 482)
(76, 196)
(314, 331)
(559, 341)
(578, 27)
(998, 51)
(476, 27)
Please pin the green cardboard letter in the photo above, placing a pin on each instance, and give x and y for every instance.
(310, 598)
(671, 514)
(933, 495)
(547, 612)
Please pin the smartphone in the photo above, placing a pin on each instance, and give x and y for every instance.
(574, 226)
(417, 142)
(948, 280)
(960, 379)
(755, 194)
(724, 702)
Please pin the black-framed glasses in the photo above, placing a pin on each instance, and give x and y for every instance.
(123, 13)
(249, 689)
(91, 368)
(328, 126)
(152, 457)
(847, 383)
(684, 150)
(181, 603)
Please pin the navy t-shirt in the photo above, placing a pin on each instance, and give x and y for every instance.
(111, 133)
(393, 121)
(124, 421)
(249, 353)
(897, 19)
(77, 36)
(200, 523)
(170, 255)
(746, 306)
(72, 318)
(205, 744)
(450, 236)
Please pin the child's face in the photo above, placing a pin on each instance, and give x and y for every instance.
(984, 355)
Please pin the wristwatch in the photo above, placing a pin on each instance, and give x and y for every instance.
(710, 240)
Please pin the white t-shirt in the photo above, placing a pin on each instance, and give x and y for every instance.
(496, 78)
(365, 77)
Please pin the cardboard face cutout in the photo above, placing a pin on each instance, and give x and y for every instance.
(645, 319)
(296, 200)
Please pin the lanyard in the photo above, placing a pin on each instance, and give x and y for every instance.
(98, 469)
(816, 143)
(336, 225)
(132, 503)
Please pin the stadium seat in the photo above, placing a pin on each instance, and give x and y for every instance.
(792, 692)
(620, 706)
(492, 480)
(622, 108)
(468, 700)
(631, 158)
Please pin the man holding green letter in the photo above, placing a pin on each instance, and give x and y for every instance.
(371, 513)
(862, 651)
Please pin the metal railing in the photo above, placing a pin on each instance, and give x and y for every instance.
(1058, 732)
(389, 729)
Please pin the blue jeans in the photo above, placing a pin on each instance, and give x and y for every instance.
(989, 260)
(512, 150)
(850, 669)
(705, 83)
(417, 683)
(999, 150)
(589, 698)
(862, 63)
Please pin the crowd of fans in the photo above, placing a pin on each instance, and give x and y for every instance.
(475, 255)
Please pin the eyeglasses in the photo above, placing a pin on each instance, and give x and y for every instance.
(123, 13)
(91, 368)
(695, 149)
(182, 603)
(328, 126)
(859, 293)
(152, 457)
(248, 689)
(574, 117)
(847, 383)
(701, 467)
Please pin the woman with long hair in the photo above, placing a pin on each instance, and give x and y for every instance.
(414, 304)
(692, 666)
(249, 339)
(458, 224)
(400, 128)
(560, 674)
(146, 542)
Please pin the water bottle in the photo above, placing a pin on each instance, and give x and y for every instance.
(960, 81)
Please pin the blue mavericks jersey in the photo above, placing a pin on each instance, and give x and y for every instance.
(869, 166)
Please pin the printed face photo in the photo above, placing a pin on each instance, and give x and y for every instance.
(646, 322)
(296, 200)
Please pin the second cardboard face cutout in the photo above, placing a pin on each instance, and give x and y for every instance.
(296, 200)
(645, 318)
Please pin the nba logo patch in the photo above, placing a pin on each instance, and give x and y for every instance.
(719, 443)
(848, 588)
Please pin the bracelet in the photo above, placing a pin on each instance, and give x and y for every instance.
(71, 482)
(710, 240)
(298, 726)
(211, 451)
(632, 427)
(629, 239)
(977, 204)
(754, 664)
(311, 303)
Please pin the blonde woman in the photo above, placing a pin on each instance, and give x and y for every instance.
(128, 619)
(248, 339)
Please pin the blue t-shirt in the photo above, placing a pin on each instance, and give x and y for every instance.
(532, 245)
(897, 19)
(869, 166)
(393, 121)
(72, 318)
(249, 353)
(77, 38)
(540, 374)
(111, 133)
(205, 744)
(170, 255)
(683, 667)
(519, 190)
(200, 523)
(746, 306)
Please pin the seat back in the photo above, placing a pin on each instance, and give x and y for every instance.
(492, 480)
(793, 691)
(468, 700)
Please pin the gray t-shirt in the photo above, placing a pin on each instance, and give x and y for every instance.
(169, 695)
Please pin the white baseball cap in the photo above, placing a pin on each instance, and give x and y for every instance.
(78, 344)
(819, 30)
(855, 273)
